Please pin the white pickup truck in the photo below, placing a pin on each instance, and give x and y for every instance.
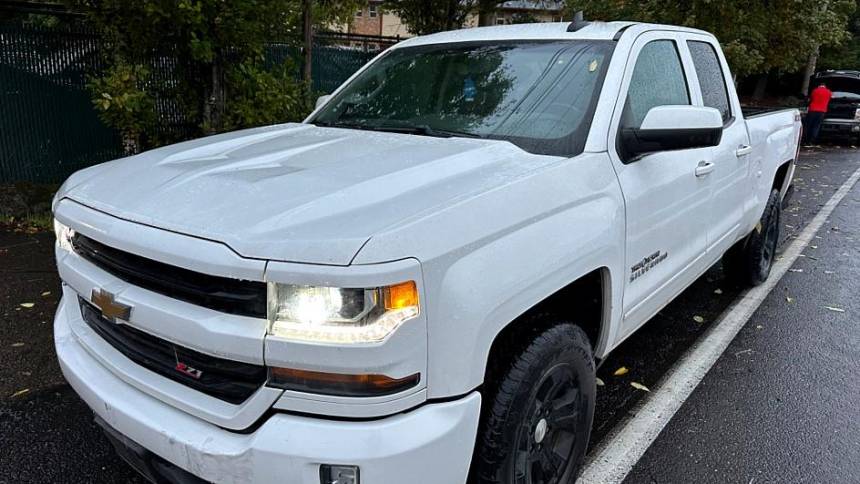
(416, 283)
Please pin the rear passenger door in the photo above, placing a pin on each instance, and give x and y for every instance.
(666, 203)
(730, 178)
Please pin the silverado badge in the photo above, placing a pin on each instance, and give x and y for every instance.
(646, 264)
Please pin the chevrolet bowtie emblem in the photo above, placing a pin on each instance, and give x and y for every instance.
(110, 308)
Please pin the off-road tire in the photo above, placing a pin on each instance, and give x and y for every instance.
(558, 356)
(749, 261)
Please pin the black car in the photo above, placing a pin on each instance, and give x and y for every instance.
(843, 113)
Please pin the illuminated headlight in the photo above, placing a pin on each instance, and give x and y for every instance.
(64, 236)
(338, 315)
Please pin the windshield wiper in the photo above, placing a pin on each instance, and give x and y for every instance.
(420, 129)
(425, 130)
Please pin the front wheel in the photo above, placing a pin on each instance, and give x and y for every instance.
(538, 411)
(749, 261)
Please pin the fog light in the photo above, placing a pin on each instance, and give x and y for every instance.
(335, 474)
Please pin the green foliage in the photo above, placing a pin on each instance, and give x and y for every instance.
(847, 55)
(260, 97)
(428, 16)
(758, 36)
(121, 102)
(217, 48)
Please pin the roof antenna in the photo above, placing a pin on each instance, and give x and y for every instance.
(578, 22)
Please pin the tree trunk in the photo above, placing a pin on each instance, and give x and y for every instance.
(450, 12)
(809, 71)
(308, 40)
(214, 107)
(218, 106)
(760, 87)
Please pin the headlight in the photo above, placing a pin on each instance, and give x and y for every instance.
(338, 315)
(64, 236)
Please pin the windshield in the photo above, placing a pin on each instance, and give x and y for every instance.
(537, 95)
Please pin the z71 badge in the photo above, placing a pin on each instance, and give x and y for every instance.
(646, 264)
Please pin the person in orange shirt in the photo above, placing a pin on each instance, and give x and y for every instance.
(819, 98)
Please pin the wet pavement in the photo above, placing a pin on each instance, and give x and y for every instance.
(776, 408)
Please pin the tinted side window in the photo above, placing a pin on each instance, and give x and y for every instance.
(658, 80)
(711, 79)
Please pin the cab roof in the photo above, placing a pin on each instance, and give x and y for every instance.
(539, 31)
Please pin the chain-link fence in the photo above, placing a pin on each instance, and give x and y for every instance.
(48, 125)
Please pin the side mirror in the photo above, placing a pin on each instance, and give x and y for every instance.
(668, 128)
(322, 100)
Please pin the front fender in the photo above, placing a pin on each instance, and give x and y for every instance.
(512, 248)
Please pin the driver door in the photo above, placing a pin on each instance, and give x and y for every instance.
(666, 202)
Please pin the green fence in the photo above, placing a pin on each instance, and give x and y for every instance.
(48, 126)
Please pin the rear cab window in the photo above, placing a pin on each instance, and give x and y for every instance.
(712, 81)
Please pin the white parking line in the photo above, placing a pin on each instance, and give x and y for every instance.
(613, 460)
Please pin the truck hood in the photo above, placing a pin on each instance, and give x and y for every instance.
(296, 192)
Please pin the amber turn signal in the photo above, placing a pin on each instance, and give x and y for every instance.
(399, 296)
(339, 384)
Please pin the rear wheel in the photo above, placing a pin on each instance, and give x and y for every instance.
(749, 261)
(538, 410)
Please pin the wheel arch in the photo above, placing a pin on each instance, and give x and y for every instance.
(782, 178)
(585, 301)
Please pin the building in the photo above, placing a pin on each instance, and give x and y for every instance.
(526, 11)
(372, 20)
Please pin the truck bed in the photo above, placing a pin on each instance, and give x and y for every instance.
(756, 111)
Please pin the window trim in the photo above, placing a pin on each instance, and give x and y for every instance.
(730, 119)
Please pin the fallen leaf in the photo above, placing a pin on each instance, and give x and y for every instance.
(599, 382)
(718, 291)
(46, 293)
(789, 299)
(831, 308)
(814, 246)
(758, 326)
(19, 393)
(621, 371)
(17, 345)
(27, 305)
(639, 386)
(698, 319)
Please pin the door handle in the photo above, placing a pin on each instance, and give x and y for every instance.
(743, 150)
(704, 168)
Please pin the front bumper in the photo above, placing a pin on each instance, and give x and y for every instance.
(431, 444)
(843, 127)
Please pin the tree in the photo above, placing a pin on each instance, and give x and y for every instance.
(486, 8)
(846, 55)
(758, 36)
(427, 16)
(218, 50)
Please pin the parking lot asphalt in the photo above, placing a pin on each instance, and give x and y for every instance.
(48, 434)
